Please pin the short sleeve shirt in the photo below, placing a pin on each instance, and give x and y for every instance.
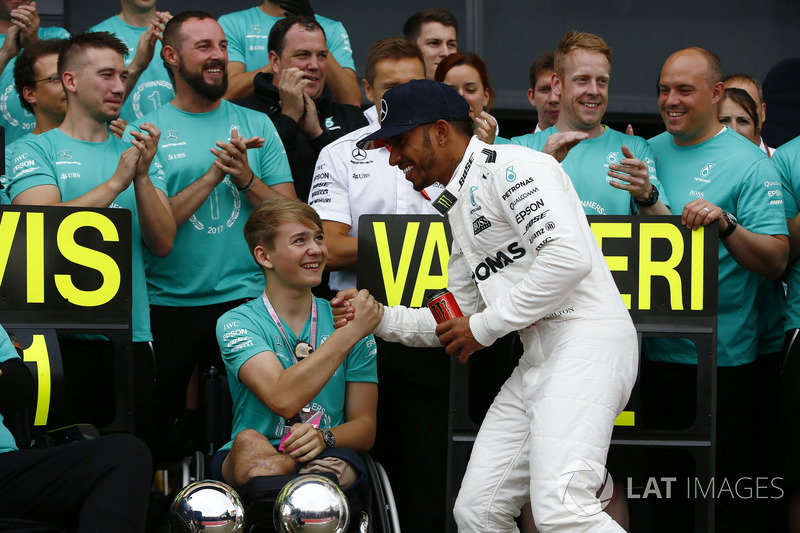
(210, 262)
(787, 160)
(7, 352)
(247, 32)
(249, 330)
(76, 167)
(733, 174)
(587, 166)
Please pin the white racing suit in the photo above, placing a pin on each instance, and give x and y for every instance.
(524, 258)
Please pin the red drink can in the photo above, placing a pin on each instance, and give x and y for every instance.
(443, 306)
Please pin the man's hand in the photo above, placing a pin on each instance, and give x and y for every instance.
(291, 89)
(26, 18)
(11, 46)
(457, 338)
(297, 7)
(342, 307)
(126, 168)
(699, 213)
(159, 23)
(232, 157)
(634, 175)
(310, 122)
(485, 127)
(367, 313)
(117, 127)
(146, 142)
(145, 48)
(304, 443)
(559, 144)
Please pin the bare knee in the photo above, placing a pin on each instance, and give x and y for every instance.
(252, 455)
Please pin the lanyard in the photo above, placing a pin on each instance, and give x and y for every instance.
(277, 320)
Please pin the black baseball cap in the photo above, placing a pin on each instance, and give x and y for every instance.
(412, 104)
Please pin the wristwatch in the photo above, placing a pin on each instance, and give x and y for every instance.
(651, 200)
(327, 436)
(732, 223)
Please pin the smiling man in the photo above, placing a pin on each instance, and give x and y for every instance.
(524, 259)
(211, 193)
(297, 99)
(80, 163)
(41, 93)
(712, 173)
(613, 173)
(19, 24)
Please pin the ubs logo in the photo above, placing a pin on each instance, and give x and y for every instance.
(359, 154)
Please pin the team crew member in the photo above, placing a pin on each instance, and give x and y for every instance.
(211, 193)
(540, 93)
(139, 26)
(20, 26)
(350, 182)
(435, 32)
(80, 164)
(41, 93)
(247, 31)
(756, 92)
(712, 173)
(787, 160)
(296, 98)
(537, 269)
(606, 164)
(304, 395)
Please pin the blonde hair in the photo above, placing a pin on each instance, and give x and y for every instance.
(578, 40)
(263, 224)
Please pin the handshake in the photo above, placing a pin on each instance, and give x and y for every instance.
(452, 327)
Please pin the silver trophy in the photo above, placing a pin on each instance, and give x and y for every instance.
(206, 506)
(311, 504)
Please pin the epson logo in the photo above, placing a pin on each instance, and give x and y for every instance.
(529, 209)
(490, 265)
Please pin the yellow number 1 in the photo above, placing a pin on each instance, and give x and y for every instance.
(37, 353)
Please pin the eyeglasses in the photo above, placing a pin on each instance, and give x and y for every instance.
(51, 79)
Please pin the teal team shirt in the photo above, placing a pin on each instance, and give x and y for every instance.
(153, 88)
(13, 117)
(4, 198)
(76, 167)
(249, 330)
(787, 161)
(587, 166)
(210, 262)
(734, 174)
(7, 352)
(247, 32)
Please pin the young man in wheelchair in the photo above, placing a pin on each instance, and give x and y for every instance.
(304, 395)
